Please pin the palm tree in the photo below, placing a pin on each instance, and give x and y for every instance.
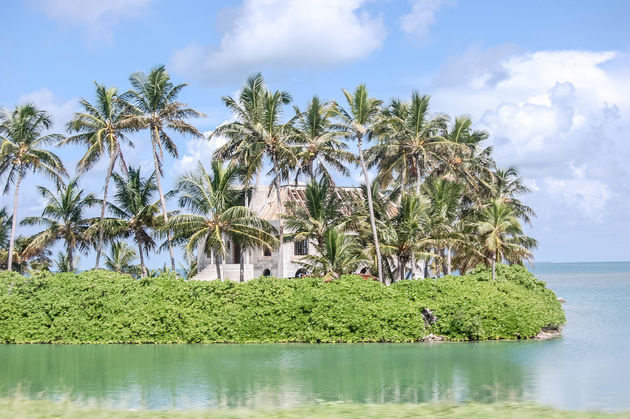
(258, 133)
(507, 186)
(62, 263)
(155, 99)
(135, 213)
(322, 210)
(502, 234)
(410, 141)
(406, 232)
(5, 228)
(64, 219)
(320, 145)
(356, 122)
(445, 198)
(21, 152)
(339, 254)
(122, 259)
(25, 257)
(101, 126)
(213, 201)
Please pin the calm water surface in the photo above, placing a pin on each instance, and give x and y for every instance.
(588, 368)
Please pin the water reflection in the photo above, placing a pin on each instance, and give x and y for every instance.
(156, 376)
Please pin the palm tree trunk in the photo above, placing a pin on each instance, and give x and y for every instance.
(494, 262)
(217, 262)
(402, 269)
(377, 248)
(158, 173)
(448, 261)
(241, 277)
(426, 268)
(14, 220)
(413, 266)
(281, 223)
(71, 257)
(99, 244)
(142, 266)
(417, 176)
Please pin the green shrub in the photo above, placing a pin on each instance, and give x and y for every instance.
(105, 307)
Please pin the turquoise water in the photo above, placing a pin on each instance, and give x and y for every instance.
(588, 368)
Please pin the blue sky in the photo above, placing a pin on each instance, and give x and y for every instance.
(549, 80)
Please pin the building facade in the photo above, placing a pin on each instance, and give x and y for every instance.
(263, 262)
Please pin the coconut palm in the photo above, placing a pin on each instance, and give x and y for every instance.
(215, 214)
(501, 235)
(21, 152)
(339, 254)
(62, 263)
(356, 123)
(157, 109)
(321, 211)
(102, 127)
(406, 233)
(507, 186)
(134, 213)
(5, 228)
(409, 143)
(64, 219)
(122, 259)
(258, 133)
(321, 147)
(25, 258)
(445, 199)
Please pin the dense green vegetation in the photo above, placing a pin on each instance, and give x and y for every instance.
(106, 307)
(19, 407)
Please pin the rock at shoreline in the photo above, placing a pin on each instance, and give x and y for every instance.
(561, 300)
(433, 338)
(548, 332)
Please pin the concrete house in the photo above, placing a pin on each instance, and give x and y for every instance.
(259, 262)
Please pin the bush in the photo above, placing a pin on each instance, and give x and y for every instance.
(105, 307)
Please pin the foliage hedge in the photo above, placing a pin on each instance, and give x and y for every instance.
(105, 307)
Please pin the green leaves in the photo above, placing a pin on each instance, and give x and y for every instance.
(104, 307)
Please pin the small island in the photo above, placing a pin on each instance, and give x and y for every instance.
(106, 307)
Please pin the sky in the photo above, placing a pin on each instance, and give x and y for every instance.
(548, 80)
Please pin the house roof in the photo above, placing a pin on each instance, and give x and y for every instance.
(265, 201)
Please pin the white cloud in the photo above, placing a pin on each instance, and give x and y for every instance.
(420, 18)
(60, 111)
(97, 17)
(197, 150)
(589, 196)
(285, 33)
(561, 116)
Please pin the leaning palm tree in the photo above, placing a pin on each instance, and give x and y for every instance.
(157, 109)
(320, 147)
(102, 127)
(215, 214)
(21, 152)
(121, 259)
(258, 134)
(501, 235)
(356, 123)
(134, 213)
(64, 219)
(339, 254)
